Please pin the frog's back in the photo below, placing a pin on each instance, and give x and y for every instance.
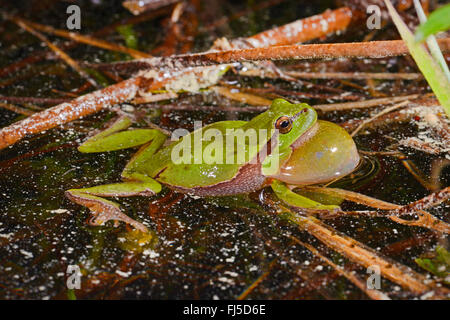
(189, 174)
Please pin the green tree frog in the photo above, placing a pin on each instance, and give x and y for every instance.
(285, 145)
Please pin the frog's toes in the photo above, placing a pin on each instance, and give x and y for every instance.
(103, 210)
(107, 212)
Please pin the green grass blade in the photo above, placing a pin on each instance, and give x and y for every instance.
(432, 43)
(438, 20)
(429, 68)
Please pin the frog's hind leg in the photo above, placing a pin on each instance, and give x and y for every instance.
(104, 210)
(136, 182)
(115, 138)
(291, 198)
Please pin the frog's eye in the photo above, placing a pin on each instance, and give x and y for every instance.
(283, 124)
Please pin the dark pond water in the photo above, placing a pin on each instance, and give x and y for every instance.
(207, 248)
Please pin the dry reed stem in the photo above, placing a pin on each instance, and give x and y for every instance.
(69, 111)
(394, 211)
(40, 55)
(304, 29)
(260, 279)
(372, 49)
(369, 103)
(76, 109)
(354, 75)
(362, 255)
(36, 100)
(372, 293)
(84, 39)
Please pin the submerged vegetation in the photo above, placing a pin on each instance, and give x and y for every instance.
(168, 64)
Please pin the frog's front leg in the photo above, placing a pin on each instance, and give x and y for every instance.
(114, 138)
(291, 198)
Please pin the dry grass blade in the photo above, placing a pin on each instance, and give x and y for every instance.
(354, 75)
(394, 211)
(432, 200)
(64, 56)
(364, 256)
(242, 97)
(372, 293)
(84, 39)
(363, 104)
(16, 109)
(260, 279)
(385, 111)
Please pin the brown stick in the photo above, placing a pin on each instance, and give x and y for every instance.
(67, 112)
(394, 212)
(70, 111)
(139, 6)
(372, 293)
(304, 29)
(372, 49)
(424, 203)
(379, 114)
(16, 109)
(361, 254)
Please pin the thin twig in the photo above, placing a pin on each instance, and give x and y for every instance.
(393, 211)
(16, 109)
(385, 111)
(362, 104)
(139, 6)
(260, 279)
(360, 254)
(85, 39)
(242, 97)
(35, 100)
(64, 56)
(304, 29)
(354, 75)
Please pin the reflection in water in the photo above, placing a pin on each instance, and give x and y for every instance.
(367, 169)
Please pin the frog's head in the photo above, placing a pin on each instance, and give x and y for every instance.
(291, 121)
(288, 123)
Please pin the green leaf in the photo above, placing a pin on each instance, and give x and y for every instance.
(429, 68)
(71, 294)
(437, 21)
(130, 37)
(443, 255)
(439, 265)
